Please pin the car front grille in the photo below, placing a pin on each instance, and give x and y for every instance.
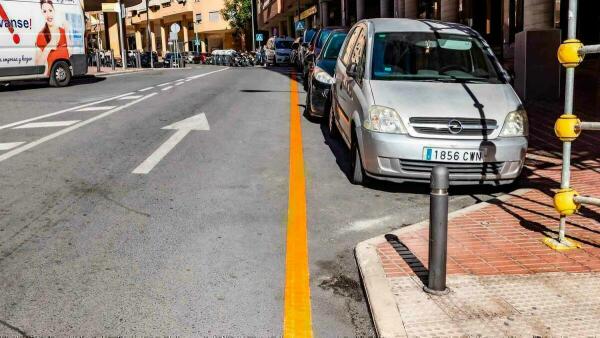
(459, 126)
(425, 167)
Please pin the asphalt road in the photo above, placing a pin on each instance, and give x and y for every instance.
(197, 245)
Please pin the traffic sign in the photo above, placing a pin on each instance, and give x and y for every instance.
(196, 42)
(300, 25)
(175, 28)
(173, 36)
(260, 37)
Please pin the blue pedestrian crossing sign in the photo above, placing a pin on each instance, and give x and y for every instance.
(300, 25)
(259, 37)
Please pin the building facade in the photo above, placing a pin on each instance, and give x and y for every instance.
(202, 27)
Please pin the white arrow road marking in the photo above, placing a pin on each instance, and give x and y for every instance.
(167, 88)
(130, 97)
(96, 108)
(50, 124)
(61, 111)
(61, 132)
(10, 145)
(183, 127)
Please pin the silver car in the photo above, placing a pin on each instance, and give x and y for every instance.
(413, 94)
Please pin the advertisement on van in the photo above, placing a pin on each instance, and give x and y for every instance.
(35, 34)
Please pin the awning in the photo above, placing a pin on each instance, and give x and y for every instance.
(140, 7)
(96, 5)
(158, 2)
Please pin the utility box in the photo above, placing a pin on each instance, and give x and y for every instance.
(537, 70)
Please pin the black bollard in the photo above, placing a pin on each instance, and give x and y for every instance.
(438, 231)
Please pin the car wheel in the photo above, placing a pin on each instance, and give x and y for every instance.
(333, 131)
(60, 75)
(358, 173)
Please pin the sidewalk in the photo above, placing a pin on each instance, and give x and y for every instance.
(109, 71)
(503, 279)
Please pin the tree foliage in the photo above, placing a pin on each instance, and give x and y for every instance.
(238, 13)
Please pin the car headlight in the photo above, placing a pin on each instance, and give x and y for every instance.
(384, 120)
(322, 76)
(516, 124)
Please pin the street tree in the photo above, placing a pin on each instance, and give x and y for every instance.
(239, 15)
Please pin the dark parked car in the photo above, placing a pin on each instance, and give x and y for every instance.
(320, 77)
(314, 48)
(145, 58)
(303, 48)
(171, 58)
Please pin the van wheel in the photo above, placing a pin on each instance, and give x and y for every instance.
(357, 172)
(60, 75)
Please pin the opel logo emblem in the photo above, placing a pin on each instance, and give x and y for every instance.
(455, 127)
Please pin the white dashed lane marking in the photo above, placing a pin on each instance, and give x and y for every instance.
(131, 97)
(96, 108)
(52, 124)
(10, 145)
(164, 84)
(167, 88)
(145, 89)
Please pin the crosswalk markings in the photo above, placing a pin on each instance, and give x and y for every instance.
(51, 124)
(10, 145)
(96, 108)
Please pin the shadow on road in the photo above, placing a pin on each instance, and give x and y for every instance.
(37, 84)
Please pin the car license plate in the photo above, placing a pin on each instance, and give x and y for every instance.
(453, 155)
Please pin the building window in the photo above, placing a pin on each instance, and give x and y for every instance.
(199, 18)
(214, 16)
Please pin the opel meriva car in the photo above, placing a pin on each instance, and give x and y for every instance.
(410, 95)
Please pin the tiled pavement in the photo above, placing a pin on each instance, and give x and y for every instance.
(496, 248)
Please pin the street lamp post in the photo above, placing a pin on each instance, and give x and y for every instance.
(253, 34)
(148, 34)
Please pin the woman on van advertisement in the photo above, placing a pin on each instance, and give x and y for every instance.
(53, 40)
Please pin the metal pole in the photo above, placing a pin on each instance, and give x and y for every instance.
(121, 42)
(587, 200)
(98, 69)
(112, 59)
(569, 89)
(253, 34)
(591, 49)
(438, 231)
(589, 126)
(148, 33)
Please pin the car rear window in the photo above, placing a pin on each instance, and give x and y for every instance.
(333, 46)
(322, 38)
(283, 44)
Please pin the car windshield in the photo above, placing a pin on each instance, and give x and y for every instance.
(283, 44)
(322, 38)
(308, 36)
(333, 45)
(429, 56)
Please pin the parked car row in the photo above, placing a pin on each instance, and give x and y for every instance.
(407, 95)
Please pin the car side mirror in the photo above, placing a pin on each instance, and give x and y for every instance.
(351, 70)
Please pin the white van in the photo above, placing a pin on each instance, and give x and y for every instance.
(278, 50)
(42, 39)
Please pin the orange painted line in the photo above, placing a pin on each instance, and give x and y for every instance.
(297, 322)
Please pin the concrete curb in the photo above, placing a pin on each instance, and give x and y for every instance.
(120, 72)
(386, 316)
